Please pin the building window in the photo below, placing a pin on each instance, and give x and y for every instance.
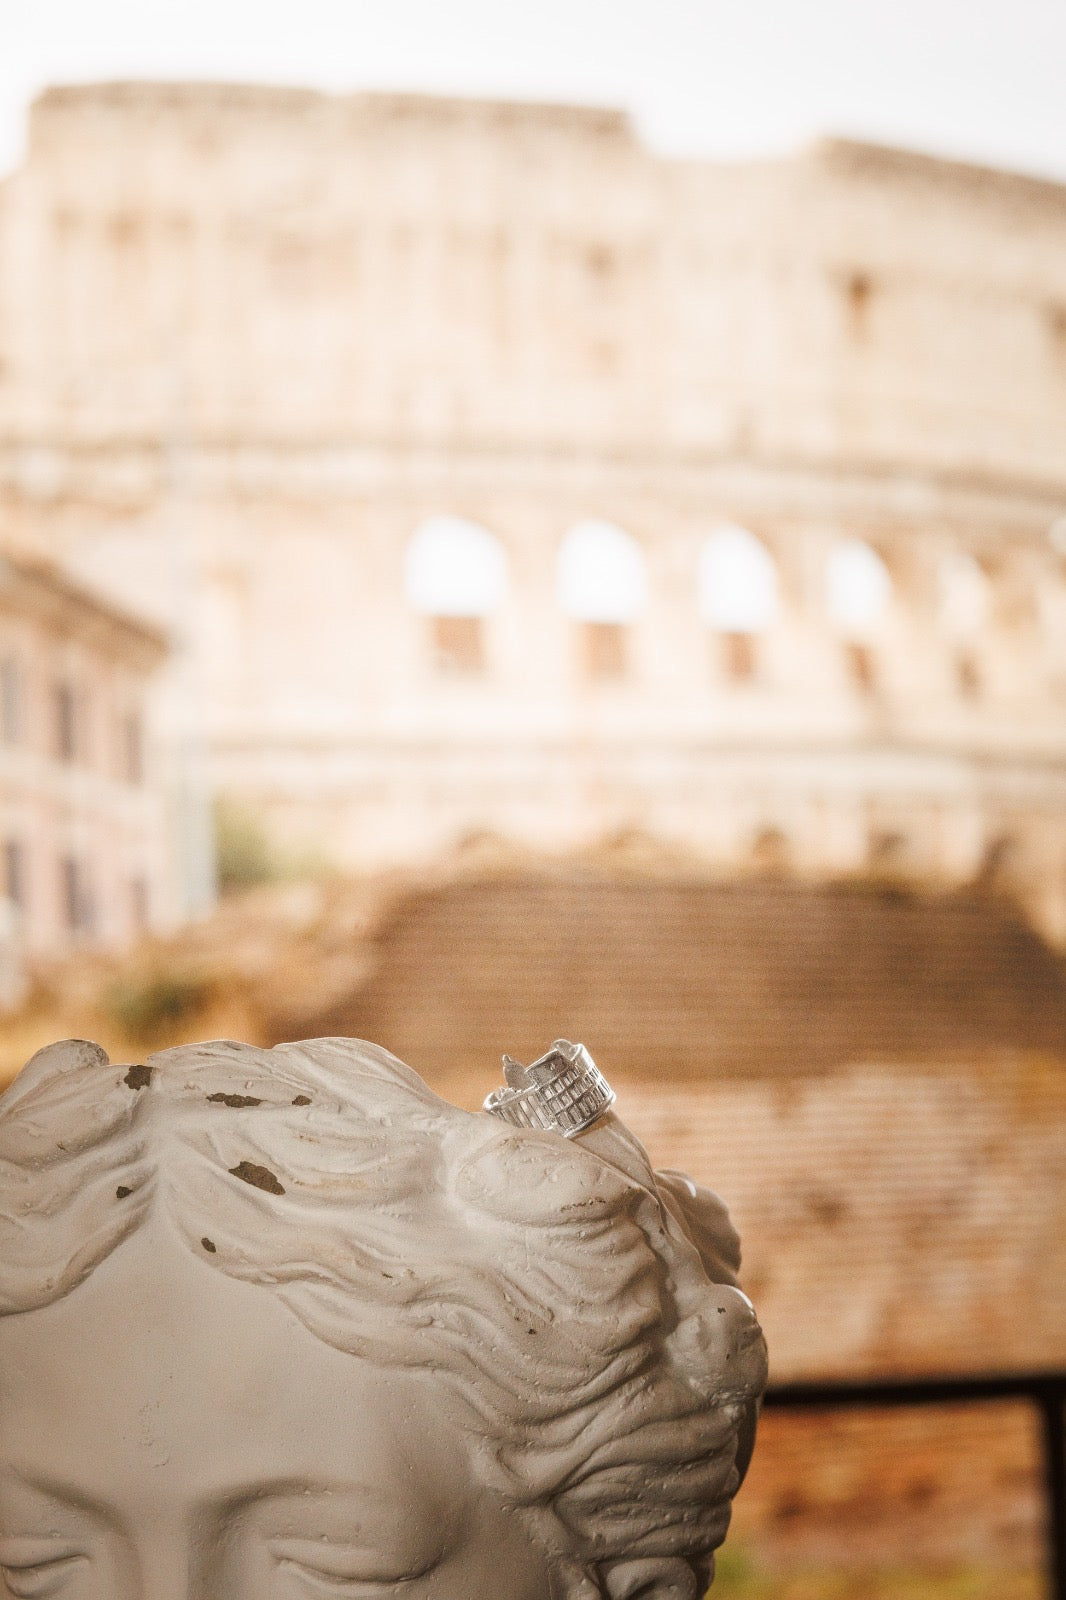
(737, 596)
(964, 614)
(737, 587)
(15, 873)
(858, 294)
(739, 657)
(965, 595)
(862, 668)
(10, 701)
(858, 599)
(133, 747)
(77, 901)
(65, 722)
(605, 650)
(858, 588)
(456, 577)
(458, 644)
(967, 676)
(602, 586)
(601, 262)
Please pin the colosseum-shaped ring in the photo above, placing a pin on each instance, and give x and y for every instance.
(563, 1091)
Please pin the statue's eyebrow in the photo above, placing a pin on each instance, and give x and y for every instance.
(69, 1495)
(260, 1493)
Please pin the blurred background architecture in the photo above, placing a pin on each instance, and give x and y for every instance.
(612, 596)
(85, 839)
(504, 476)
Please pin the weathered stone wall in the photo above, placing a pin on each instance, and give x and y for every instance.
(312, 266)
(874, 1084)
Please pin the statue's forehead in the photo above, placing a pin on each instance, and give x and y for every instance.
(161, 1375)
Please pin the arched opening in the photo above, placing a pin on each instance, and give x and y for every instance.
(858, 600)
(456, 576)
(888, 851)
(858, 589)
(770, 853)
(858, 293)
(999, 868)
(737, 596)
(965, 607)
(603, 589)
(965, 594)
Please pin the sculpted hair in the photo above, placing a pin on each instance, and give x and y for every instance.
(582, 1305)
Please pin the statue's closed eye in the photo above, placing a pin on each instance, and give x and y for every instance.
(312, 1582)
(324, 1568)
(36, 1576)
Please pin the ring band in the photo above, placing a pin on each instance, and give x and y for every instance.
(562, 1092)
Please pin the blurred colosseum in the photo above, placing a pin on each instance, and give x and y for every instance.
(498, 475)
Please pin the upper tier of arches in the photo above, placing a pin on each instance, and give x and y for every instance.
(457, 575)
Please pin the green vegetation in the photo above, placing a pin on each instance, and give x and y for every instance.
(247, 858)
(739, 1578)
(145, 1007)
(244, 855)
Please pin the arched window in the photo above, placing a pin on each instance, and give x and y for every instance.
(965, 606)
(456, 576)
(965, 594)
(603, 587)
(737, 582)
(455, 568)
(858, 598)
(737, 594)
(858, 589)
(602, 576)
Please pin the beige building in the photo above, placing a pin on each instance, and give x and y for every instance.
(505, 476)
(86, 854)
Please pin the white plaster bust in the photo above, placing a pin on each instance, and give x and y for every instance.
(283, 1325)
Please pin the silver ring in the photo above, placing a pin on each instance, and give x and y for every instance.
(562, 1092)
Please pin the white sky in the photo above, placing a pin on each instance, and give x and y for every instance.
(984, 80)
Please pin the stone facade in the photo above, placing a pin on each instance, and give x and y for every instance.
(86, 856)
(252, 340)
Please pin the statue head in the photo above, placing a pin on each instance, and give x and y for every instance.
(283, 1324)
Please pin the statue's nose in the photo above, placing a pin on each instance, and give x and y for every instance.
(166, 1572)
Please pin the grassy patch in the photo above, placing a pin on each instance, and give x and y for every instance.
(740, 1578)
(146, 1007)
(244, 855)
